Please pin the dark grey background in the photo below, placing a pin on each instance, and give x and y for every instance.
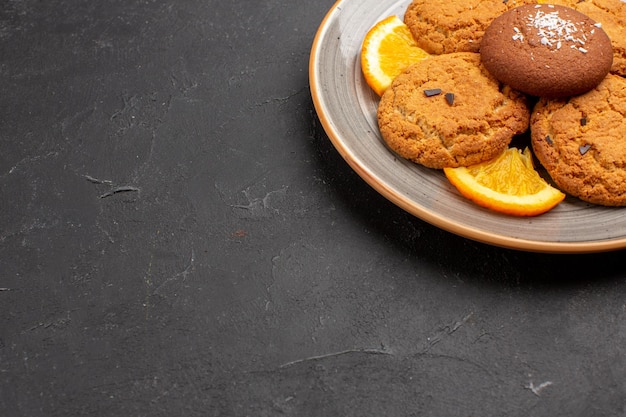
(179, 238)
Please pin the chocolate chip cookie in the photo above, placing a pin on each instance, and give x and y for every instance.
(449, 111)
(581, 141)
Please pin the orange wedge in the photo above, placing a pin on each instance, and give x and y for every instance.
(388, 49)
(507, 184)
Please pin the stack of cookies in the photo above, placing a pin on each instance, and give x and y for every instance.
(500, 68)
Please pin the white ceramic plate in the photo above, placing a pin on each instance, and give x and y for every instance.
(347, 109)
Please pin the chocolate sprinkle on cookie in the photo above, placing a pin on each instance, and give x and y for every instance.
(584, 148)
(432, 92)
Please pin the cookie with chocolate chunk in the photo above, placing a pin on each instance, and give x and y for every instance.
(581, 141)
(445, 26)
(449, 111)
(547, 50)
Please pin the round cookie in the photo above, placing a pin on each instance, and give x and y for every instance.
(547, 50)
(581, 142)
(611, 14)
(448, 111)
(446, 26)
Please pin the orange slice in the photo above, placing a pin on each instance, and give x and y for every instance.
(388, 49)
(507, 184)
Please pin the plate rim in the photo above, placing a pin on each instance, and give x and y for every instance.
(409, 205)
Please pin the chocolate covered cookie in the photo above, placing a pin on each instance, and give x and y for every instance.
(611, 14)
(547, 50)
(449, 111)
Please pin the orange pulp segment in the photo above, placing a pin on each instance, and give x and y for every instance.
(508, 184)
(387, 50)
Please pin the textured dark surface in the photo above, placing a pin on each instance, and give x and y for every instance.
(179, 238)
